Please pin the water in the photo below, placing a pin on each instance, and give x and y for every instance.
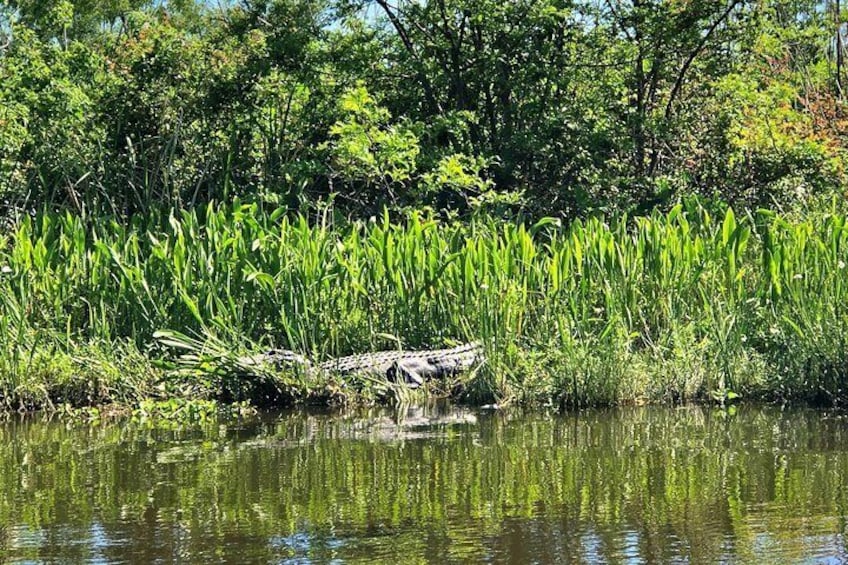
(635, 485)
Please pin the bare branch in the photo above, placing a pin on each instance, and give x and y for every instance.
(681, 76)
(410, 47)
(619, 20)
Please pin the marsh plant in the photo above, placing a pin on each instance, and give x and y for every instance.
(694, 303)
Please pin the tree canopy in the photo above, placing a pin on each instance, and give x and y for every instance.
(556, 107)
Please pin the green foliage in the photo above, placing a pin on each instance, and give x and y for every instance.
(458, 172)
(137, 115)
(48, 130)
(175, 412)
(365, 148)
(679, 305)
(779, 119)
(551, 107)
(64, 19)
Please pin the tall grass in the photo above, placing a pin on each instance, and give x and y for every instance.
(680, 305)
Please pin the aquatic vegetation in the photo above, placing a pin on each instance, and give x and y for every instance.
(692, 303)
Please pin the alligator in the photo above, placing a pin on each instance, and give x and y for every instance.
(410, 367)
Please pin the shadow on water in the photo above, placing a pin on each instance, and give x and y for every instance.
(434, 484)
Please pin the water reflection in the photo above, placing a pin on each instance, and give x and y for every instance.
(633, 485)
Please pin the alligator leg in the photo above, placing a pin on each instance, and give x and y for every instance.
(406, 371)
(416, 370)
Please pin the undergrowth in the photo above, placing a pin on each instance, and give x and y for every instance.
(695, 303)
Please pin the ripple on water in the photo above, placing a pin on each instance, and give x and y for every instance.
(433, 484)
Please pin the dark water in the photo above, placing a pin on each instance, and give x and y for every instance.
(631, 485)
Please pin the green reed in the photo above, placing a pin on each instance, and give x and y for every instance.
(685, 304)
